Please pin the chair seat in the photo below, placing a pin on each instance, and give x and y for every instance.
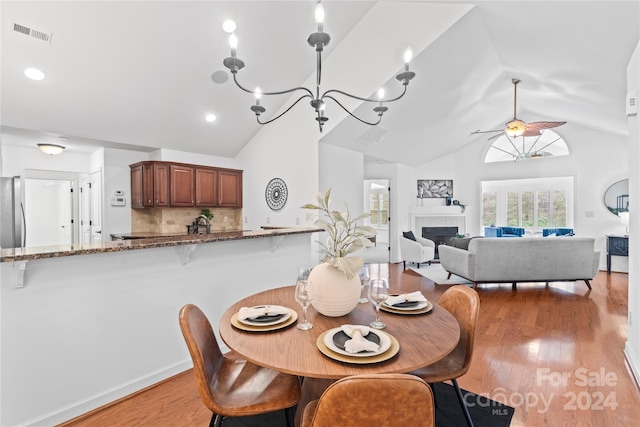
(243, 388)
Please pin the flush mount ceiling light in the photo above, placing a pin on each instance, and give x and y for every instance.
(34, 74)
(51, 149)
(317, 40)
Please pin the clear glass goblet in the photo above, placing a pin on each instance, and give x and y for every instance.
(364, 279)
(378, 293)
(304, 295)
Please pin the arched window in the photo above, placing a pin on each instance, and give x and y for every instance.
(506, 148)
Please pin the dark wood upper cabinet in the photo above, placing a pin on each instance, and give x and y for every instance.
(161, 185)
(167, 184)
(206, 187)
(142, 185)
(182, 186)
(229, 188)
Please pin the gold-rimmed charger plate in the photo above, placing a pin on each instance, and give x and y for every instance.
(256, 328)
(392, 351)
(423, 310)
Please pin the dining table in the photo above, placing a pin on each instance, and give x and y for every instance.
(418, 338)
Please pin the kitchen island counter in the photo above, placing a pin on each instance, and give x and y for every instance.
(134, 243)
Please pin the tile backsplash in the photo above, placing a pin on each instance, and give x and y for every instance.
(175, 220)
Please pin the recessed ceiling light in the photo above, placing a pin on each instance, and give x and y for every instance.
(210, 118)
(229, 26)
(34, 74)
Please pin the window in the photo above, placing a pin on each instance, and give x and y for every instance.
(547, 144)
(379, 208)
(530, 203)
(489, 208)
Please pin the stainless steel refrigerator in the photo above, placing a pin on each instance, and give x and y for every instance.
(13, 229)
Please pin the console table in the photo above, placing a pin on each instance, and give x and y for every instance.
(618, 246)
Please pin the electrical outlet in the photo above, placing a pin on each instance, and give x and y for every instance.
(297, 221)
(268, 220)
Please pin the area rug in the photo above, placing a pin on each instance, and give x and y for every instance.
(484, 412)
(438, 275)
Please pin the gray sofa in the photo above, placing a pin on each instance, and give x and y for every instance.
(528, 259)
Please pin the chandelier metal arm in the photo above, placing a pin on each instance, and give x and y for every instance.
(404, 91)
(282, 92)
(284, 112)
(351, 114)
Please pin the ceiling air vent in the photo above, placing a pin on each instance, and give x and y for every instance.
(371, 134)
(32, 32)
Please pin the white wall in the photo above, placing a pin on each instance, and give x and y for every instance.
(16, 159)
(86, 330)
(632, 347)
(117, 176)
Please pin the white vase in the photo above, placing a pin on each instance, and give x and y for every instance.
(333, 294)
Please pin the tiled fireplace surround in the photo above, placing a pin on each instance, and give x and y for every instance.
(434, 217)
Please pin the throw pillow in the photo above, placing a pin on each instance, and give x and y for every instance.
(409, 235)
(461, 242)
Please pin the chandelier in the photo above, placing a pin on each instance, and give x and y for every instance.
(317, 40)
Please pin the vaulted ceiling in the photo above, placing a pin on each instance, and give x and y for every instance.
(140, 73)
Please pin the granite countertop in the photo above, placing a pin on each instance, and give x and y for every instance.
(152, 240)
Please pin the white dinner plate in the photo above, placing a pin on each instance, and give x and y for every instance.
(385, 343)
(419, 306)
(276, 321)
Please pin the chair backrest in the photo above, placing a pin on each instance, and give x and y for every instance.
(204, 349)
(376, 400)
(464, 304)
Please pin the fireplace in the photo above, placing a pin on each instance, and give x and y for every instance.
(440, 235)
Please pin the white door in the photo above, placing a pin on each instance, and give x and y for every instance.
(96, 206)
(85, 210)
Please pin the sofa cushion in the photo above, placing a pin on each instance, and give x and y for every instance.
(409, 235)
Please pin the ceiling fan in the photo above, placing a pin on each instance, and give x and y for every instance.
(517, 127)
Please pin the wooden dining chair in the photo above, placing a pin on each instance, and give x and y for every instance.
(464, 304)
(229, 385)
(384, 400)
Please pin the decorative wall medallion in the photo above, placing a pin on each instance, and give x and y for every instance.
(276, 194)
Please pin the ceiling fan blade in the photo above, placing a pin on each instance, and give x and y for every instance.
(486, 131)
(538, 126)
(531, 132)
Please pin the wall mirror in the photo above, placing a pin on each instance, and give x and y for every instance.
(616, 198)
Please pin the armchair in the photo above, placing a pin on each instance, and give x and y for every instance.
(419, 251)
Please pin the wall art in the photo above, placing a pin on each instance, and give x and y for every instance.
(435, 188)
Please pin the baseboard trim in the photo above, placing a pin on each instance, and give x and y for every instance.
(634, 363)
(66, 415)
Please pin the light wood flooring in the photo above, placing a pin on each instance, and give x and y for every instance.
(554, 353)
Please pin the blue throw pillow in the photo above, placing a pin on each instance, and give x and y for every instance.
(409, 235)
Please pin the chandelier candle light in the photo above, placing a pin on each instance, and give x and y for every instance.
(317, 40)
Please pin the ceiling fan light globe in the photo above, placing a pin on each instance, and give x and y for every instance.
(515, 128)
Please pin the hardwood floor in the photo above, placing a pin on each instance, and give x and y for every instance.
(554, 353)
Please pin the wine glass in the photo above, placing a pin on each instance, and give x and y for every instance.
(364, 279)
(378, 293)
(304, 295)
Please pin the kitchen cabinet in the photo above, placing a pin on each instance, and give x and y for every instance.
(149, 185)
(161, 185)
(182, 186)
(206, 187)
(168, 184)
(229, 188)
(141, 185)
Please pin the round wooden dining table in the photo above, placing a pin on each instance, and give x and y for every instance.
(423, 338)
